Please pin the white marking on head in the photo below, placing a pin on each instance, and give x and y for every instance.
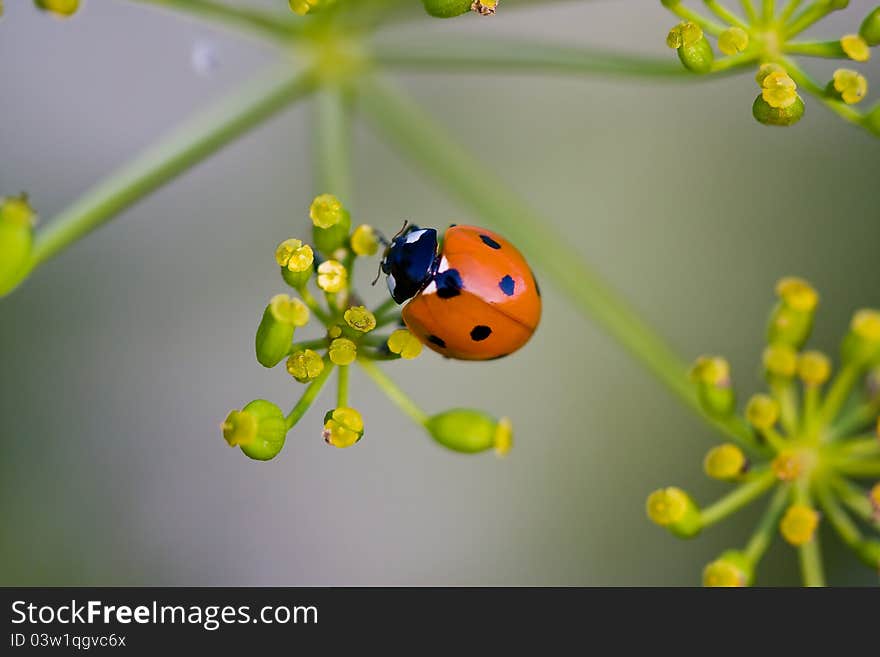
(415, 235)
(391, 283)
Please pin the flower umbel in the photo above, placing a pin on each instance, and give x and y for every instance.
(806, 441)
(348, 338)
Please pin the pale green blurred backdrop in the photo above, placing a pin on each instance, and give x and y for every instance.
(121, 357)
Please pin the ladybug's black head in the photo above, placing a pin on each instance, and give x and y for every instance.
(409, 261)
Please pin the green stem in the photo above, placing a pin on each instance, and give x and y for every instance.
(342, 390)
(767, 526)
(507, 56)
(394, 393)
(332, 141)
(776, 440)
(749, 10)
(854, 421)
(856, 499)
(769, 11)
(385, 320)
(809, 554)
(318, 343)
(280, 27)
(815, 12)
(829, 49)
(707, 24)
(389, 305)
(787, 396)
(790, 8)
(725, 14)
(405, 125)
(314, 306)
(194, 141)
(729, 64)
(741, 496)
(305, 402)
(838, 393)
(811, 410)
(839, 107)
(862, 447)
(841, 522)
(859, 468)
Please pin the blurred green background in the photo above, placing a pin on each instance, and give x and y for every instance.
(121, 357)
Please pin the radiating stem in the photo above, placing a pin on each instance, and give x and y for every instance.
(749, 10)
(741, 496)
(841, 522)
(394, 392)
(768, 525)
(733, 62)
(838, 393)
(313, 305)
(769, 11)
(500, 56)
(790, 8)
(857, 500)
(809, 554)
(815, 12)
(332, 143)
(787, 396)
(194, 141)
(342, 389)
(854, 421)
(318, 343)
(859, 468)
(707, 24)
(305, 402)
(389, 305)
(804, 80)
(415, 135)
(725, 14)
(829, 49)
(277, 26)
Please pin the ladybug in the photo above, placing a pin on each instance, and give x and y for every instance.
(472, 298)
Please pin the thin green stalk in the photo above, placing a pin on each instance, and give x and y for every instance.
(809, 554)
(858, 419)
(707, 24)
(815, 12)
(811, 409)
(342, 389)
(838, 393)
(389, 305)
(769, 11)
(500, 56)
(775, 439)
(867, 446)
(841, 522)
(856, 499)
(332, 143)
(749, 11)
(829, 49)
(768, 525)
(317, 343)
(725, 14)
(741, 496)
(194, 141)
(407, 127)
(733, 62)
(859, 468)
(277, 26)
(787, 396)
(313, 305)
(789, 10)
(305, 402)
(394, 392)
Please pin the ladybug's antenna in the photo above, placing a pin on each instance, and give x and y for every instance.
(378, 274)
(402, 230)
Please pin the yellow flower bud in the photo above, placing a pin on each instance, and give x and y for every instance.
(779, 90)
(862, 344)
(296, 260)
(342, 351)
(405, 344)
(791, 321)
(364, 241)
(788, 466)
(848, 85)
(780, 361)
(360, 319)
(686, 33)
(762, 411)
(798, 525)
(814, 368)
(855, 47)
(332, 276)
(331, 223)
(725, 462)
(326, 211)
(259, 429)
(714, 389)
(334, 332)
(61, 8)
(301, 7)
(766, 69)
(732, 569)
(733, 40)
(343, 427)
(674, 509)
(305, 365)
(17, 219)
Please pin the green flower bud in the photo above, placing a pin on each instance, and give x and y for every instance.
(732, 569)
(870, 29)
(780, 362)
(342, 352)
(762, 411)
(791, 321)
(296, 261)
(733, 40)
(861, 346)
(331, 223)
(725, 462)
(259, 429)
(693, 49)
(17, 219)
(469, 431)
(61, 8)
(778, 116)
(360, 319)
(343, 427)
(275, 333)
(715, 391)
(674, 509)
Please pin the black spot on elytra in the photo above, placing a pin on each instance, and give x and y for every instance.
(433, 339)
(480, 333)
(507, 285)
(448, 284)
(488, 241)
